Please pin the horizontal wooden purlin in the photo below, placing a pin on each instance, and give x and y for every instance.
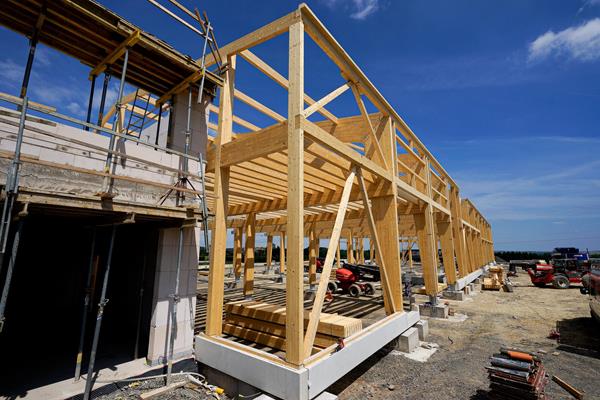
(257, 37)
(264, 142)
(315, 199)
(350, 129)
(320, 136)
(116, 53)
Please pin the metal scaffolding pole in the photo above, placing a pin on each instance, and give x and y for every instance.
(103, 301)
(140, 308)
(90, 102)
(103, 97)
(9, 272)
(174, 302)
(33, 40)
(86, 308)
(158, 124)
(109, 157)
(12, 184)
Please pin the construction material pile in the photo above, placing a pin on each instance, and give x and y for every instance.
(495, 279)
(516, 374)
(264, 324)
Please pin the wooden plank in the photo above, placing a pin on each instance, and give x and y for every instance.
(447, 243)
(317, 105)
(117, 53)
(312, 255)
(329, 324)
(258, 106)
(274, 329)
(391, 306)
(370, 129)
(216, 277)
(314, 132)
(295, 202)
(261, 144)
(237, 252)
(315, 313)
(283, 82)
(282, 252)
(249, 255)
(257, 37)
(269, 251)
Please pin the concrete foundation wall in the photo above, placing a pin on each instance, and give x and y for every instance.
(164, 287)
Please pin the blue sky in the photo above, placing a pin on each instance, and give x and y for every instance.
(505, 94)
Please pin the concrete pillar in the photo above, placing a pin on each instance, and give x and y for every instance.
(199, 124)
(164, 287)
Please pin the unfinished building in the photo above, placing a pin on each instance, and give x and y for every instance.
(115, 210)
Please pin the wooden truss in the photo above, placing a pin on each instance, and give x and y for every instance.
(360, 176)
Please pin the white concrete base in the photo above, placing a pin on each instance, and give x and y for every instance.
(259, 369)
(423, 328)
(409, 340)
(462, 282)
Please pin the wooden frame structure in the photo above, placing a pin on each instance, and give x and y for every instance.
(361, 176)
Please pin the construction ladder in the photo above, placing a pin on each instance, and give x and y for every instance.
(136, 122)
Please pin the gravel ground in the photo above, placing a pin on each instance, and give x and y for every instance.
(520, 319)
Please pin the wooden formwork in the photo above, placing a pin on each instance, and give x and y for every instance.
(359, 176)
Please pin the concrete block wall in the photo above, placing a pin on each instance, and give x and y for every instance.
(50, 149)
(164, 287)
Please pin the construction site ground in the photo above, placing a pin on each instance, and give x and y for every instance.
(481, 324)
(523, 319)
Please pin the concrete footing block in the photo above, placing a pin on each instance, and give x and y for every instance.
(472, 287)
(423, 329)
(437, 311)
(408, 341)
(467, 290)
(453, 295)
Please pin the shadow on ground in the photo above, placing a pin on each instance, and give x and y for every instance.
(579, 336)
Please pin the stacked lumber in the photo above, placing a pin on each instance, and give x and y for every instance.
(517, 375)
(495, 279)
(264, 323)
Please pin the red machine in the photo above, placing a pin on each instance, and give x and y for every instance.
(352, 280)
(560, 273)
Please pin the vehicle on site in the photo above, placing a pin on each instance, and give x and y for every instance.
(561, 273)
(355, 279)
(591, 286)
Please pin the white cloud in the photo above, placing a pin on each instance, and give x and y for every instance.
(359, 9)
(76, 109)
(10, 72)
(364, 8)
(580, 43)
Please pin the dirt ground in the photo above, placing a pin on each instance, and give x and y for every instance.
(520, 319)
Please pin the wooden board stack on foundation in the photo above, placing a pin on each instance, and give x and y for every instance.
(264, 323)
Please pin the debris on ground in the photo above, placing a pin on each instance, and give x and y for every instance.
(578, 394)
